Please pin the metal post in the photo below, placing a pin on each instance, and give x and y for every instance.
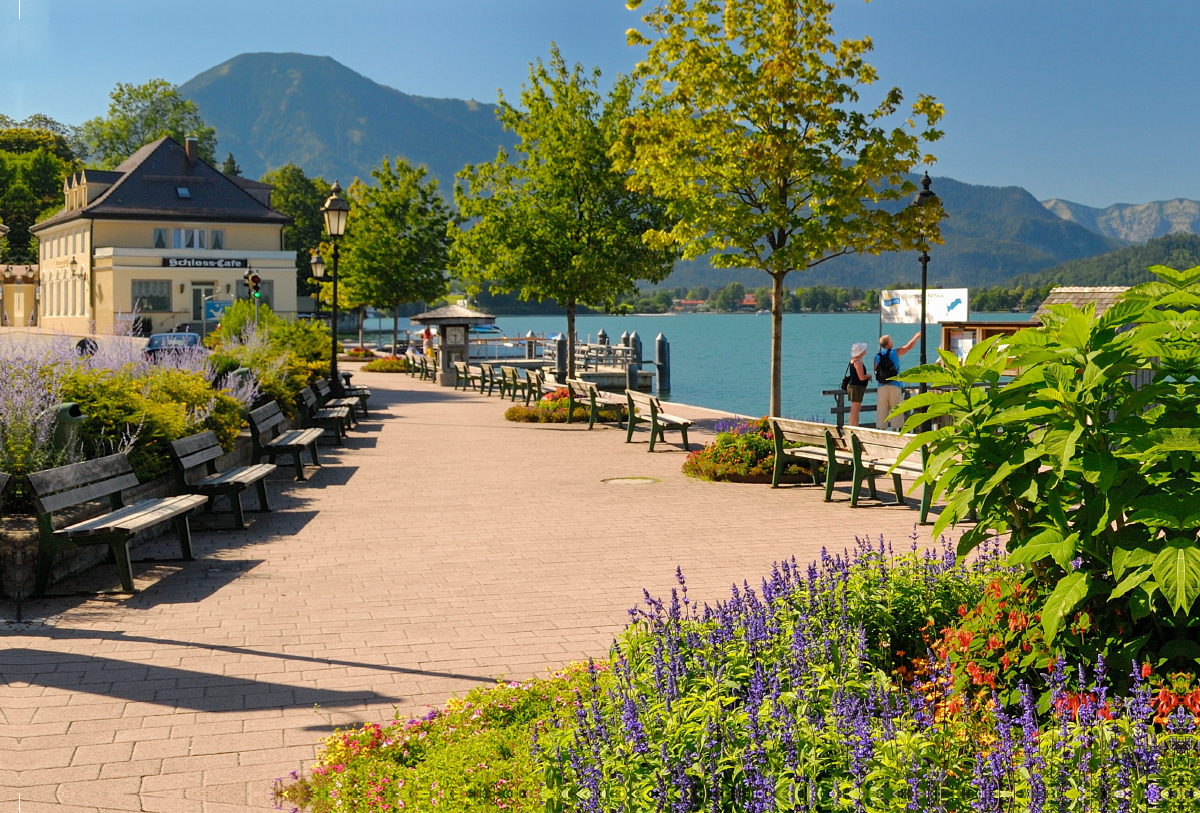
(662, 363)
(560, 359)
(631, 377)
(635, 342)
(335, 381)
(602, 337)
(530, 350)
(625, 338)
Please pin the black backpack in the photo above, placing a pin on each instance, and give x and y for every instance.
(885, 368)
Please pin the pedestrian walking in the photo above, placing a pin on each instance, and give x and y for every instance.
(427, 341)
(888, 394)
(856, 380)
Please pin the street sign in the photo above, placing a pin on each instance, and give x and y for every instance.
(214, 310)
(903, 307)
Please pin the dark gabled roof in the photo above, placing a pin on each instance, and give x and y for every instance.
(146, 190)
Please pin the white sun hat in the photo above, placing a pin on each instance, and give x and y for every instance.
(858, 349)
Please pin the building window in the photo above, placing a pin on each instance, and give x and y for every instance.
(217, 239)
(152, 295)
(183, 192)
(187, 238)
(160, 238)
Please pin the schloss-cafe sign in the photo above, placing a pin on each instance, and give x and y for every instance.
(192, 262)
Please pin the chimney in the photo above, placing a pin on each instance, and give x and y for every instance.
(192, 147)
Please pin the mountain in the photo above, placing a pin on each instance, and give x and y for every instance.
(991, 234)
(1125, 266)
(1132, 222)
(271, 109)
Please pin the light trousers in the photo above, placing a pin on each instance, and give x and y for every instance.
(887, 398)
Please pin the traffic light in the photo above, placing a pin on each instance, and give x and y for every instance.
(254, 284)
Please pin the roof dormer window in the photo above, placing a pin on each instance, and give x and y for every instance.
(183, 192)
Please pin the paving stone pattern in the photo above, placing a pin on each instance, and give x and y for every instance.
(440, 549)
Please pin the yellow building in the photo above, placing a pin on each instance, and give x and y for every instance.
(165, 234)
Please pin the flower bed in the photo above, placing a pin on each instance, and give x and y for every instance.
(553, 409)
(387, 364)
(742, 452)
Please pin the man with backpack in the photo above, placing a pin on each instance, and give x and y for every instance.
(888, 394)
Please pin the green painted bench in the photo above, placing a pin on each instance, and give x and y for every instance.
(491, 379)
(652, 413)
(203, 450)
(585, 392)
(875, 454)
(823, 444)
(269, 440)
(514, 382)
(539, 385)
(106, 477)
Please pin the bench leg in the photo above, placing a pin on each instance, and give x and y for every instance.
(653, 435)
(44, 566)
(298, 461)
(235, 502)
(312, 449)
(184, 529)
(831, 470)
(686, 446)
(926, 499)
(896, 481)
(261, 486)
(120, 551)
(629, 432)
(871, 485)
(857, 477)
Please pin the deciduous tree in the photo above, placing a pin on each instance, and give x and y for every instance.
(140, 114)
(556, 221)
(301, 197)
(756, 134)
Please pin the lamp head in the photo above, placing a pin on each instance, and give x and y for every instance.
(336, 211)
(317, 263)
(74, 267)
(924, 196)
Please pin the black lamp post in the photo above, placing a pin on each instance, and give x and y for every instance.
(336, 210)
(924, 198)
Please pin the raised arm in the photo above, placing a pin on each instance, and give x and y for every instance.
(900, 351)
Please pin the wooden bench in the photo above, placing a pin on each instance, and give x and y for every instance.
(270, 441)
(203, 450)
(874, 453)
(414, 365)
(5, 481)
(328, 400)
(539, 385)
(588, 393)
(659, 421)
(80, 483)
(823, 444)
(514, 382)
(491, 378)
(420, 365)
(313, 415)
(362, 393)
(465, 376)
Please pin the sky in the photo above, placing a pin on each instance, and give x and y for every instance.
(1093, 102)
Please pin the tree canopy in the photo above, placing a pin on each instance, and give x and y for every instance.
(755, 133)
(556, 221)
(397, 245)
(31, 178)
(140, 114)
(301, 197)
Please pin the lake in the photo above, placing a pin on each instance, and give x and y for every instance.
(723, 361)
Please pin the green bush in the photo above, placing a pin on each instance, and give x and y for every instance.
(477, 755)
(143, 415)
(741, 449)
(1096, 480)
(386, 365)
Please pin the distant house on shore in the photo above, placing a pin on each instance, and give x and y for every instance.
(1103, 297)
(689, 305)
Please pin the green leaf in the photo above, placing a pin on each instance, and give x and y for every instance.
(1177, 571)
(1076, 331)
(1070, 591)
(1124, 558)
(1130, 582)
(1049, 542)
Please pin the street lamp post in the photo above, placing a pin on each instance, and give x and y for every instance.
(924, 198)
(336, 211)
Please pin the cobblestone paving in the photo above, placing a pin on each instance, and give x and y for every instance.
(440, 549)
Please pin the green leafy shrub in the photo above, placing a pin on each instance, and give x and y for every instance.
(476, 755)
(741, 449)
(390, 364)
(553, 409)
(1090, 459)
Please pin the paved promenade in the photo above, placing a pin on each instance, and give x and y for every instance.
(441, 549)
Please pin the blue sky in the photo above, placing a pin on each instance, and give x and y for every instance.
(1089, 101)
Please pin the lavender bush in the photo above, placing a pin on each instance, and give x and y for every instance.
(789, 697)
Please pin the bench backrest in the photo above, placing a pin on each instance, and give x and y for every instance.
(460, 367)
(879, 443)
(66, 486)
(645, 400)
(322, 388)
(579, 388)
(309, 399)
(510, 373)
(810, 432)
(195, 450)
(265, 421)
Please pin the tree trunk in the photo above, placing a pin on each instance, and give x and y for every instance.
(777, 294)
(570, 338)
(395, 326)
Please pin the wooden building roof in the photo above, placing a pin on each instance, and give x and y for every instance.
(1104, 298)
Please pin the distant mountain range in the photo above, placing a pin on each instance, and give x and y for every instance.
(1132, 222)
(272, 109)
(1125, 266)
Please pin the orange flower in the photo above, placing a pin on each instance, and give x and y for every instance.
(1005, 662)
(1017, 621)
(995, 643)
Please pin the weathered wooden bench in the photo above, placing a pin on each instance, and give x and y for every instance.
(823, 444)
(539, 385)
(270, 441)
(328, 400)
(588, 393)
(874, 454)
(203, 450)
(514, 382)
(359, 391)
(491, 379)
(313, 415)
(652, 413)
(80, 483)
(411, 356)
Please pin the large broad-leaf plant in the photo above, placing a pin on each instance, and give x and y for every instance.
(1080, 440)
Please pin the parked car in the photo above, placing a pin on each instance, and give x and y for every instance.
(161, 343)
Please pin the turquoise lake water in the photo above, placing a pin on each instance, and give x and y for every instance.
(722, 360)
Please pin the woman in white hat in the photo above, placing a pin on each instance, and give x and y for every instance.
(856, 380)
